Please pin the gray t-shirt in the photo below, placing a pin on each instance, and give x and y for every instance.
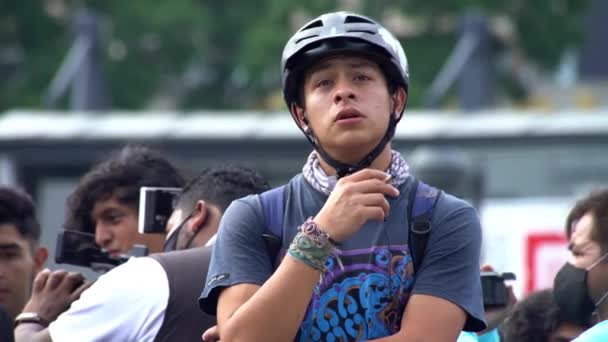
(366, 298)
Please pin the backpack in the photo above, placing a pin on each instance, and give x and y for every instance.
(419, 213)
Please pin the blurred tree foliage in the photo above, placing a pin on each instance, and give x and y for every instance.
(190, 54)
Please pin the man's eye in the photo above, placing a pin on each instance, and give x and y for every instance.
(362, 78)
(8, 255)
(323, 83)
(114, 219)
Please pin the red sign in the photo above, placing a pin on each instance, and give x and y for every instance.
(546, 253)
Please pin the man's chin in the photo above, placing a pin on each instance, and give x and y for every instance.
(352, 147)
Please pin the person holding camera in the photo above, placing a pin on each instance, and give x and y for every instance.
(105, 202)
(581, 286)
(154, 298)
(347, 272)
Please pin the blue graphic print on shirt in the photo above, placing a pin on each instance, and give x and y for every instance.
(363, 300)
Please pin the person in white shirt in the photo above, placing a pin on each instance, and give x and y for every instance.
(154, 298)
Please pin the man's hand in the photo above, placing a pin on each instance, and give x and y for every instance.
(53, 292)
(356, 199)
(212, 334)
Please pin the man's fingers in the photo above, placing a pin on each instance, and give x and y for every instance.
(79, 290)
(212, 334)
(55, 278)
(367, 174)
(373, 213)
(73, 280)
(374, 186)
(41, 279)
(487, 268)
(374, 200)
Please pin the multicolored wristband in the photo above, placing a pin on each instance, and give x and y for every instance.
(311, 245)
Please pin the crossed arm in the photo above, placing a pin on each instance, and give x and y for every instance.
(274, 311)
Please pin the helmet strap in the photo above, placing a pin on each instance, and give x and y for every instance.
(345, 169)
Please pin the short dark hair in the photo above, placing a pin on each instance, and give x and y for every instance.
(595, 203)
(122, 174)
(221, 185)
(17, 208)
(534, 318)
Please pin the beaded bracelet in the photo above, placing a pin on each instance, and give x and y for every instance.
(311, 245)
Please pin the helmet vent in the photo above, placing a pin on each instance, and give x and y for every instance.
(362, 31)
(355, 19)
(316, 23)
(307, 37)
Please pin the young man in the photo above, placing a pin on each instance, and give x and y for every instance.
(105, 203)
(154, 298)
(581, 286)
(21, 258)
(347, 274)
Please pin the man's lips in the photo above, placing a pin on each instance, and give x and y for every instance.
(113, 252)
(348, 113)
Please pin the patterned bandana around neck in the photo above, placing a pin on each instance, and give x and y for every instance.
(314, 174)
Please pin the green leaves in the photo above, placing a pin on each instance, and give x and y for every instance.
(226, 54)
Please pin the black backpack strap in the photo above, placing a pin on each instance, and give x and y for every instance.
(422, 201)
(273, 207)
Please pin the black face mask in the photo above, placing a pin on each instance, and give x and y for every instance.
(571, 292)
(171, 243)
(572, 295)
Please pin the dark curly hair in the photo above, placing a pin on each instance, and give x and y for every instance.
(597, 204)
(17, 208)
(221, 185)
(534, 319)
(122, 174)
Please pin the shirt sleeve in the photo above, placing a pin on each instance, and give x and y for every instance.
(126, 304)
(450, 268)
(240, 255)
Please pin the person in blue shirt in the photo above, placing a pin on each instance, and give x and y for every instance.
(581, 286)
(346, 272)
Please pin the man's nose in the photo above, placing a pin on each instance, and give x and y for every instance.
(103, 235)
(343, 92)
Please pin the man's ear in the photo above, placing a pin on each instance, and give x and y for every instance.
(199, 217)
(41, 254)
(298, 115)
(399, 99)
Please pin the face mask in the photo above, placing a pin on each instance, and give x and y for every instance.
(171, 242)
(572, 294)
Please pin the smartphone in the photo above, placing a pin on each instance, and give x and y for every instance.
(495, 293)
(155, 207)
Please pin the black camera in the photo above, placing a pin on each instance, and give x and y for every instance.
(495, 294)
(79, 249)
(155, 207)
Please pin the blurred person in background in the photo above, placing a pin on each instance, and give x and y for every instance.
(537, 318)
(21, 257)
(581, 286)
(105, 202)
(154, 298)
(348, 273)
